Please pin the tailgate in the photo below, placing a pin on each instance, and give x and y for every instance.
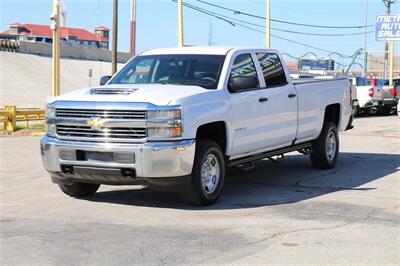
(387, 92)
(378, 93)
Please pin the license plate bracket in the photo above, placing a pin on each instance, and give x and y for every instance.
(95, 156)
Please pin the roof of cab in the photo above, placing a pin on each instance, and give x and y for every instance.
(209, 50)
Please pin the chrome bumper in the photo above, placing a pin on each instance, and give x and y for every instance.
(147, 160)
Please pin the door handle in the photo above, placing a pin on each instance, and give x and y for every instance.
(263, 100)
(292, 95)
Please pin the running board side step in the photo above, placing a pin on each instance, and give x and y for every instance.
(269, 154)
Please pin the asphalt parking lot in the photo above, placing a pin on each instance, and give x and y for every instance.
(278, 213)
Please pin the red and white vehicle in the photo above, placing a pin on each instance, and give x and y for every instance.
(374, 95)
(387, 99)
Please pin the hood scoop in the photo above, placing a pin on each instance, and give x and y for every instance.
(111, 91)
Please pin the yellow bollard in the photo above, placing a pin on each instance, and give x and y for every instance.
(11, 124)
(26, 122)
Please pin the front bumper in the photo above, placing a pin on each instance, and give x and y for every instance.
(146, 160)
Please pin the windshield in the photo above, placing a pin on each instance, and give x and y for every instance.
(198, 70)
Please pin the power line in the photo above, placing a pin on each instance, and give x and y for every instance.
(238, 12)
(94, 12)
(230, 21)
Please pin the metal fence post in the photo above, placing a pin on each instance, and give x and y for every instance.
(11, 124)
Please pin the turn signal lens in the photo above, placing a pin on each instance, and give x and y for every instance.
(164, 132)
(175, 131)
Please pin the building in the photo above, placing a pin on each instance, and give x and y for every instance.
(72, 37)
(376, 63)
(292, 65)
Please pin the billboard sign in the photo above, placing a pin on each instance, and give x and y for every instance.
(316, 64)
(387, 28)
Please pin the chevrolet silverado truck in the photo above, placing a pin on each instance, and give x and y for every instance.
(178, 117)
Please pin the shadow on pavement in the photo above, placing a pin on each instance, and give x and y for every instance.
(290, 181)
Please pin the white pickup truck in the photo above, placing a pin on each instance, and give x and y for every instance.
(374, 96)
(178, 117)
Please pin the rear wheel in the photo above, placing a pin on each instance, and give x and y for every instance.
(79, 189)
(356, 111)
(325, 148)
(207, 179)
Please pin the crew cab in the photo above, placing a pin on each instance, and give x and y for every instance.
(176, 118)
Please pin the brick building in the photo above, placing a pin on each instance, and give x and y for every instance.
(72, 37)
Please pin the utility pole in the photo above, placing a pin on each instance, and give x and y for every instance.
(114, 37)
(133, 28)
(210, 33)
(55, 21)
(391, 64)
(387, 3)
(268, 25)
(180, 24)
(365, 70)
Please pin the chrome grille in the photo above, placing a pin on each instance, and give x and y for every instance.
(103, 133)
(111, 114)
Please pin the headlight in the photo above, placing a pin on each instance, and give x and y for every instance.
(164, 114)
(51, 130)
(50, 111)
(164, 132)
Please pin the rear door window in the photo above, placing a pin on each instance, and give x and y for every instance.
(272, 69)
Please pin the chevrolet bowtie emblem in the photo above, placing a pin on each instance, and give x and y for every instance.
(96, 123)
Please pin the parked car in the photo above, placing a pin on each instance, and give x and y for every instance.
(355, 105)
(398, 108)
(301, 76)
(389, 96)
(192, 112)
(375, 96)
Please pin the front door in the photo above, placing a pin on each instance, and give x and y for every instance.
(279, 122)
(246, 108)
(263, 118)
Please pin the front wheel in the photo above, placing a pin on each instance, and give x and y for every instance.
(205, 184)
(79, 189)
(325, 148)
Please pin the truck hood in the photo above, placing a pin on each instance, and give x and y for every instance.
(158, 94)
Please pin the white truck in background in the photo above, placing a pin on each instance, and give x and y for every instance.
(389, 95)
(178, 117)
(374, 96)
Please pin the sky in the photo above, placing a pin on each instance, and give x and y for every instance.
(157, 22)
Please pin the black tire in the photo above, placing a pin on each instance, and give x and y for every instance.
(320, 157)
(195, 192)
(79, 189)
(387, 110)
(356, 111)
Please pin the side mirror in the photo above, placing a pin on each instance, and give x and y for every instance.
(242, 83)
(104, 80)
